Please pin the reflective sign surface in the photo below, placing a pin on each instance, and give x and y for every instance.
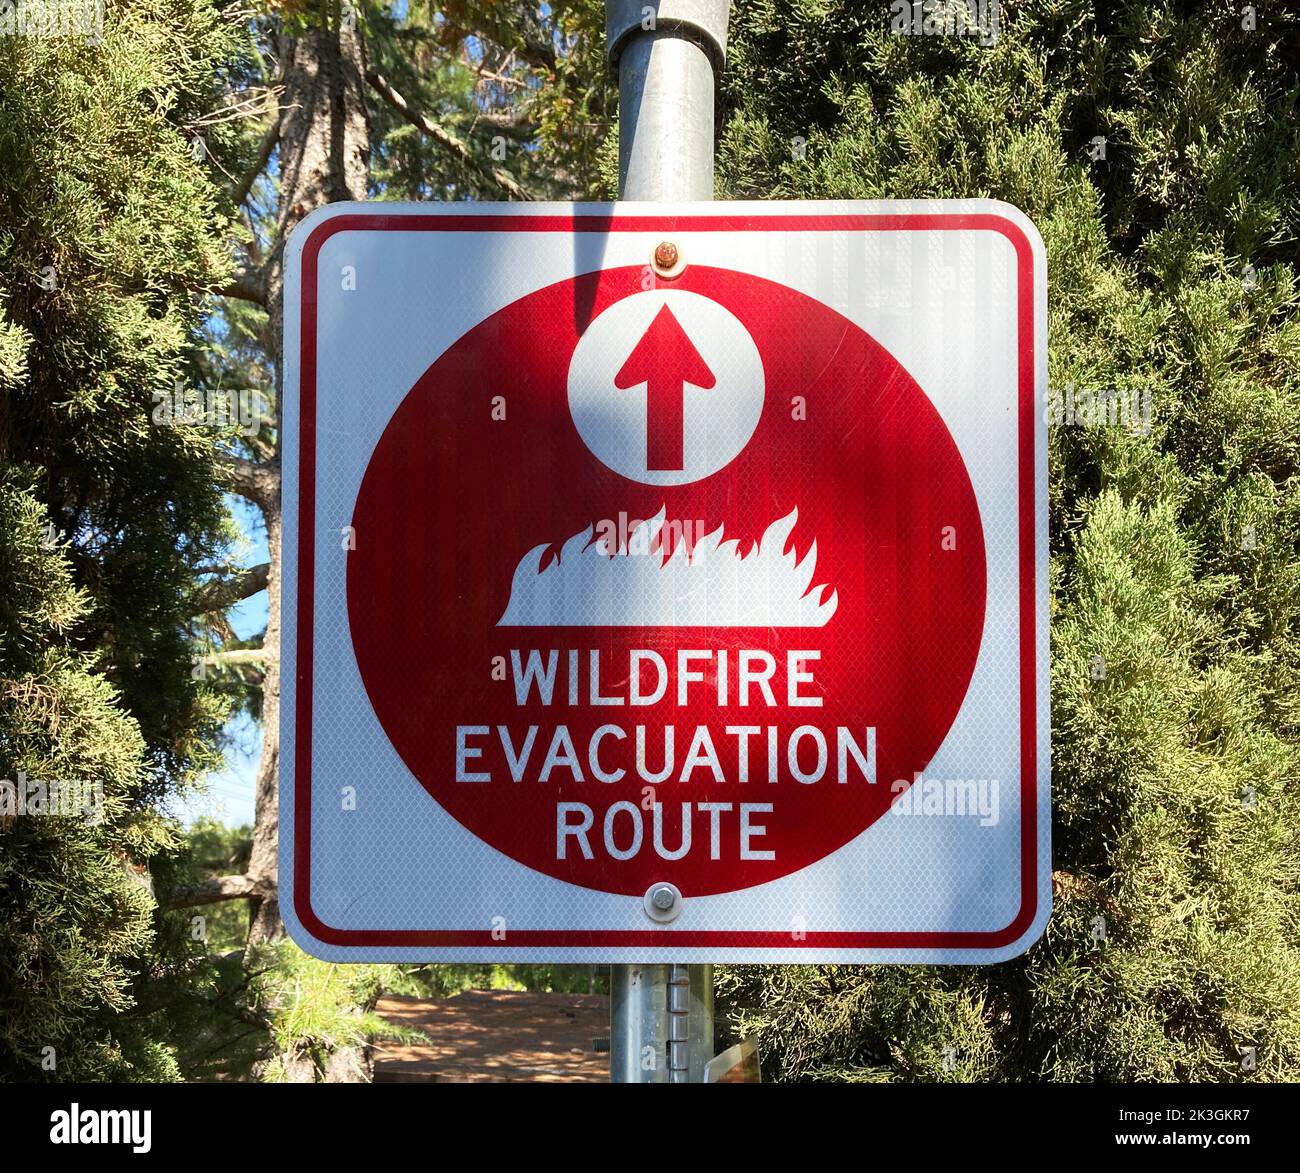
(646, 613)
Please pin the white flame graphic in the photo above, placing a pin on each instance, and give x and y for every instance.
(714, 586)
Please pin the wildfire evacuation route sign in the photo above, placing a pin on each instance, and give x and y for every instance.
(665, 583)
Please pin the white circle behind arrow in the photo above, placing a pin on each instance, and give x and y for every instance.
(666, 387)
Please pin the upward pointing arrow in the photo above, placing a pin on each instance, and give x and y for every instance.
(665, 360)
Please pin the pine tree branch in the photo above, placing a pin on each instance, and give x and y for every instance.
(216, 889)
(536, 50)
(511, 124)
(223, 1046)
(443, 137)
(239, 193)
(501, 79)
(239, 656)
(247, 285)
(221, 593)
(259, 483)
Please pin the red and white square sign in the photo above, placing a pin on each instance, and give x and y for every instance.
(665, 583)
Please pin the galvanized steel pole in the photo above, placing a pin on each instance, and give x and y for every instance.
(667, 53)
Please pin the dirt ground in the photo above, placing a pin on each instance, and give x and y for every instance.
(497, 1036)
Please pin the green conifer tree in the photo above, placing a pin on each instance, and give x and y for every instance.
(111, 518)
(1155, 146)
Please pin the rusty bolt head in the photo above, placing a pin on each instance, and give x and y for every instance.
(666, 255)
(668, 261)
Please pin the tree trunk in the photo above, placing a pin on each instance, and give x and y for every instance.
(324, 157)
(263, 866)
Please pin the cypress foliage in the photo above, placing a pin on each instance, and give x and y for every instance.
(111, 229)
(1172, 271)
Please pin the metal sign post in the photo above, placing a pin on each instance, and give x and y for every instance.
(666, 53)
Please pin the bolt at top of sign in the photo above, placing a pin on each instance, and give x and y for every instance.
(668, 262)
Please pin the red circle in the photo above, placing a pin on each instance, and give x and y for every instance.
(455, 496)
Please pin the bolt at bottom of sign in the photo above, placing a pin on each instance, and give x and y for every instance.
(662, 902)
